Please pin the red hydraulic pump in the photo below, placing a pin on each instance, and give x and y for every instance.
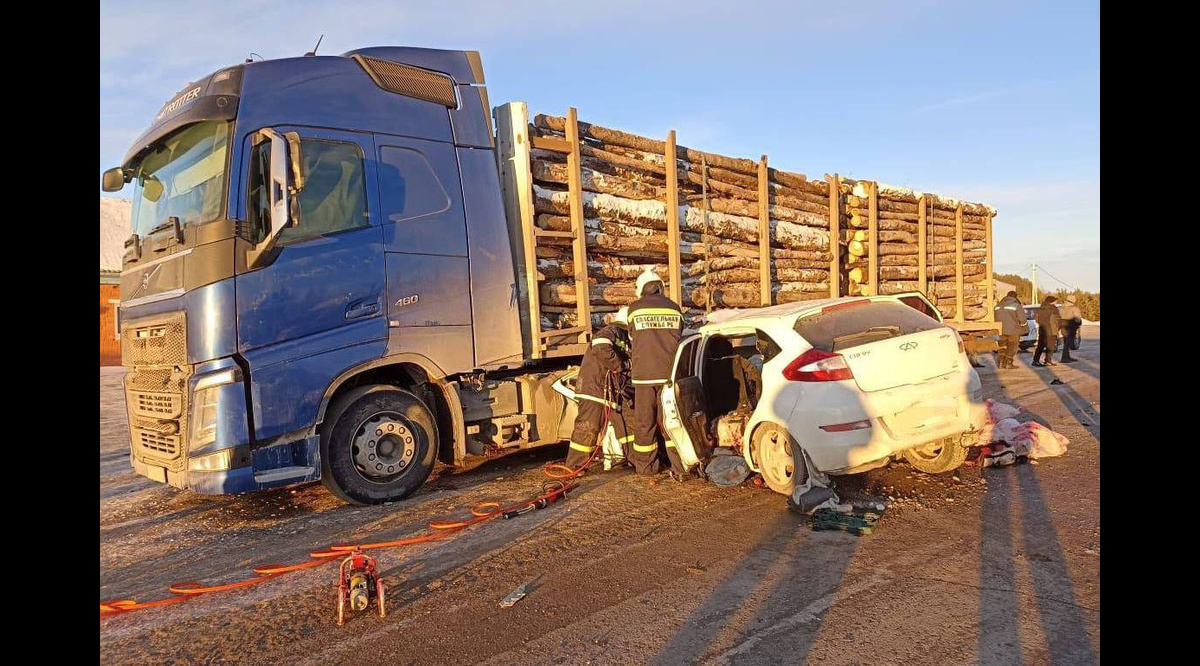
(358, 585)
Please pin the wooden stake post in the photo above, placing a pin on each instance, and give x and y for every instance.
(922, 246)
(675, 275)
(873, 241)
(583, 301)
(958, 263)
(764, 234)
(991, 285)
(835, 235)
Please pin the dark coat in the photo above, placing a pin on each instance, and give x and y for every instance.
(1048, 318)
(1011, 315)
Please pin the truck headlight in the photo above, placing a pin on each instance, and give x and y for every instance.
(213, 462)
(203, 425)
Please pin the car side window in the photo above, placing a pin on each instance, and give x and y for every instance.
(334, 197)
(687, 359)
(766, 346)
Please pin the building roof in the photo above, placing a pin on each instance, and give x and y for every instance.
(114, 230)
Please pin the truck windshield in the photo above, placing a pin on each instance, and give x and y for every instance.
(183, 176)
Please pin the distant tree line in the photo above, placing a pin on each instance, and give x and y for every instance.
(1088, 302)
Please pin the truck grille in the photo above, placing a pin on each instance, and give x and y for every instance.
(156, 388)
(159, 340)
(157, 444)
(155, 404)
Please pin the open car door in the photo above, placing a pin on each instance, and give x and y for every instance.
(684, 411)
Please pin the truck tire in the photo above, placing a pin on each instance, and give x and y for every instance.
(778, 458)
(378, 446)
(945, 455)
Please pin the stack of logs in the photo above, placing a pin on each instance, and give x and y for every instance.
(624, 203)
(898, 213)
(623, 182)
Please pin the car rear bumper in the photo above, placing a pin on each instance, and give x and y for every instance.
(857, 450)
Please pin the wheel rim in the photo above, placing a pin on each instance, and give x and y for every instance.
(778, 465)
(929, 452)
(383, 447)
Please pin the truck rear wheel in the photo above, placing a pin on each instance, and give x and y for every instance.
(378, 446)
(945, 455)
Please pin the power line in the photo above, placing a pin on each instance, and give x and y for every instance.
(1059, 280)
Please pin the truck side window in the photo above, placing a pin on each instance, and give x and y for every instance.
(334, 197)
(409, 188)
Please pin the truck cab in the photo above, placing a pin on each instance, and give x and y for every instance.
(314, 239)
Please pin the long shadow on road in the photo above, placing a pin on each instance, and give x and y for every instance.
(1014, 494)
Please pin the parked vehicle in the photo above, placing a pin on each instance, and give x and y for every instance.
(851, 382)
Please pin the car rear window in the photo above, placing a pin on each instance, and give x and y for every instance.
(860, 324)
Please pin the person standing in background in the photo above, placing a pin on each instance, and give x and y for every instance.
(1011, 315)
(1072, 319)
(1048, 321)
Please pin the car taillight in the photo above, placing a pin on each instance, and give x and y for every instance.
(818, 365)
(962, 346)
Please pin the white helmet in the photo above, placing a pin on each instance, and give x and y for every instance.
(646, 278)
(622, 316)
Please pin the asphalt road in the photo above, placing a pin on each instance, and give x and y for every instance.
(993, 567)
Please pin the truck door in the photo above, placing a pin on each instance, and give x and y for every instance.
(425, 251)
(314, 308)
(683, 404)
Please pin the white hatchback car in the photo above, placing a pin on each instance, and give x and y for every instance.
(852, 382)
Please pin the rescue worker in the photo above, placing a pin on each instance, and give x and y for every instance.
(1011, 315)
(1072, 319)
(596, 389)
(655, 327)
(1048, 321)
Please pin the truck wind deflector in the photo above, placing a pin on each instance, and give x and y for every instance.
(410, 81)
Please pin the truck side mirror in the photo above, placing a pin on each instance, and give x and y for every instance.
(283, 184)
(114, 180)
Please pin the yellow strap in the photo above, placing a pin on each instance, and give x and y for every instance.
(601, 341)
(625, 440)
(645, 449)
(650, 382)
(670, 444)
(581, 447)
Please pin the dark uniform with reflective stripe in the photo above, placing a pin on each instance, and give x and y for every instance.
(655, 326)
(607, 354)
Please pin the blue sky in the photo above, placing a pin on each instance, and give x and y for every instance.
(988, 101)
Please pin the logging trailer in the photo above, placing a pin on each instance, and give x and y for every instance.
(347, 291)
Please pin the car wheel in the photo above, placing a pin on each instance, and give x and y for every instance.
(1025, 346)
(779, 459)
(944, 455)
(379, 446)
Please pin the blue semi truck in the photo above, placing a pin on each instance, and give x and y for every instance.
(323, 283)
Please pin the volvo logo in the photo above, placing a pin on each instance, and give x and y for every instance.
(908, 346)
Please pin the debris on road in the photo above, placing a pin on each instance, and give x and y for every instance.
(514, 596)
(857, 521)
(1009, 440)
(726, 468)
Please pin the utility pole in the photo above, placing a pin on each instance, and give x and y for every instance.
(1033, 283)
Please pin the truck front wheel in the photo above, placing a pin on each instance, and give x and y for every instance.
(378, 446)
